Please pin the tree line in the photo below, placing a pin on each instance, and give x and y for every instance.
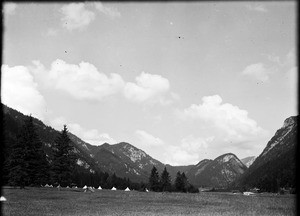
(163, 183)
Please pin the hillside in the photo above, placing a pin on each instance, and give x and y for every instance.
(275, 167)
(219, 172)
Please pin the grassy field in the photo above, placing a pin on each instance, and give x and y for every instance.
(50, 201)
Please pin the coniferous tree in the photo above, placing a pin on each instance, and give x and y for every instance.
(154, 180)
(165, 181)
(18, 175)
(63, 159)
(184, 182)
(28, 148)
(178, 182)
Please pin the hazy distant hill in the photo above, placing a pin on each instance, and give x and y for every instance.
(276, 166)
(248, 161)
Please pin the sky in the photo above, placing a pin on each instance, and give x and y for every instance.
(183, 81)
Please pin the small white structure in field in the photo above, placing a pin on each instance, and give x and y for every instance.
(114, 188)
(76, 187)
(85, 187)
(127, 189)
(46, 185)
(247, 193)
(99, 188)
(68, 187)
(2, 199)
(147, 190)
(59, 186)
(51, 186)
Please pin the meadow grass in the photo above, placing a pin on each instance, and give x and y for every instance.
(51, 201)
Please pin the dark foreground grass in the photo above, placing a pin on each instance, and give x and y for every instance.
(50, 201)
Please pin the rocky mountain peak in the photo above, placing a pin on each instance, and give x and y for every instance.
(291, 121)
(226, 157)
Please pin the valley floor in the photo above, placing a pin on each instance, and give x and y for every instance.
(51, 201)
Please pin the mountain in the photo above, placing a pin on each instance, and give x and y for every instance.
(13, 121)
(275, 167)
(123, 159)
(219, 172)
(248, 161)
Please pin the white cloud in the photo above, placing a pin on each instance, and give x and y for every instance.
(9, 8)
(147, 87)
(231, 122)
(81, 81)
(257, 7)
(76, 16)
(85, 81)
(177, 156)
(190, 150)
(51, 32)
(91, 136)
(108, 11)
(20, 91)
(148, 140)
(257, 71)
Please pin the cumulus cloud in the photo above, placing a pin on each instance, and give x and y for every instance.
(190, 150)
(232, 122)
(257, 71)
(20, 91)
(82, 81)
(147, 87)
(258, 7)
(147, 140)
(108, 11)
(9, 8)
(91, 136)
(76, 16)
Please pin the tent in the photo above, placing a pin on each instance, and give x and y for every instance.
(51, 186)
(76, 187)
(2, 198)
(147, 190)
(68, 187)
(114, 188)
(58, 186)
(85, 187)
(99, 188)
(248, 193)
(46, 185)
(127, 189)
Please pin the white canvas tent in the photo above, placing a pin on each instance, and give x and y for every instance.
(2, 198)
(114, 188)
(127, 189)
(247, 193)
(99, 188)
(85, 187)
(46, 185)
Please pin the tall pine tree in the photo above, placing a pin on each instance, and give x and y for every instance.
(63, 159)
(18, 175)
(154, 180)
(165, 181)
(28, 162)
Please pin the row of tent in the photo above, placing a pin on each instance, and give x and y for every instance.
(86, 187)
